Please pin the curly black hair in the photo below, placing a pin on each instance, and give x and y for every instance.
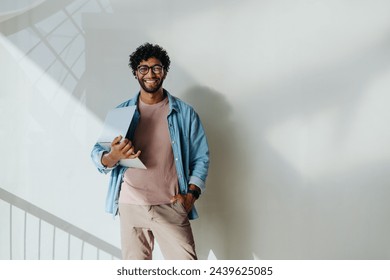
(146, 51)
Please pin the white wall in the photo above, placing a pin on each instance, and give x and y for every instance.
(293, 95)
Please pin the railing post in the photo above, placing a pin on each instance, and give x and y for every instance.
(39, 238)
(82, 250)
(10, 231)
(54, 242)
(25, 236)
(68, 246)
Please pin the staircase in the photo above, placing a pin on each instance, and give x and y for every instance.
(33, 233)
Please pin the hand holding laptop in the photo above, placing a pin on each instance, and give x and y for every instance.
(120, 150)
(123, 149)
(117, 122)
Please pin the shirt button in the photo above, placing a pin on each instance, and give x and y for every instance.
(176, 159)
(173, 142)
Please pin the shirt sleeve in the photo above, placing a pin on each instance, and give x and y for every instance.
(199, 154)
(97, 154)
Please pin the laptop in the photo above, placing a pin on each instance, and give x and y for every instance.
(117, 122)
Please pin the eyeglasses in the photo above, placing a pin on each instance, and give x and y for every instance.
(144, 69)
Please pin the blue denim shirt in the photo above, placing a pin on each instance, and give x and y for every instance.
(189, 145)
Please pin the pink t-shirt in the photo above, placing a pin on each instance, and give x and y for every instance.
(158, 183)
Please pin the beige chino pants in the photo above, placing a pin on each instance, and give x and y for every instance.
(168, 223)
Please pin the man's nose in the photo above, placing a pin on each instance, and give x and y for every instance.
(150, 73)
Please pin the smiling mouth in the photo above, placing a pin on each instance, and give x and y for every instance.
(153, 81)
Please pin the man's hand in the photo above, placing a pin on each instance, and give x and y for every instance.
(119, 150)
(188, 200)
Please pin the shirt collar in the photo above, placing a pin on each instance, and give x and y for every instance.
(173, 106)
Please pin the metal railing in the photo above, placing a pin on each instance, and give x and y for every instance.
(37, 234)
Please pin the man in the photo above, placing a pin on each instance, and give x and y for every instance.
(168, 137)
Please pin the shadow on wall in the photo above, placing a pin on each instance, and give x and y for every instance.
(323, 210)
(219, 208)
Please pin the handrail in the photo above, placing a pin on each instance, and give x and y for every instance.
(59, 223)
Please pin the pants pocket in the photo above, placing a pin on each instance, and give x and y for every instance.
(179, 207)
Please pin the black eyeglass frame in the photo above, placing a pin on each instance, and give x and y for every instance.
(151, 67)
